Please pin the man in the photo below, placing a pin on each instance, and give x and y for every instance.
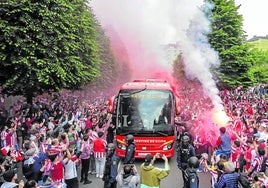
(191, 175)
(11, 178)
(128, 177)
(150, 175)
(130, 150)
(223, 143)
(99, 148)
(230, 178)
(184, 153)
(162, 119)
(111, 165)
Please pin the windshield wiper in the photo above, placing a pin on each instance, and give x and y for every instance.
(138, 91)
(129, 132)
(162, 133)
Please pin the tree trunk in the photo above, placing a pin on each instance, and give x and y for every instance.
(29, 98)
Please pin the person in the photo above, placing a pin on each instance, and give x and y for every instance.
(150, 175)
(54, 168)
(31, 184)
(128, 177)
(223, 143)
(111, 166)
(110, 133)
(10, 176)
(191, 173)
(230, 178)
(257, 161)
(27, 165)
(162, 119)
(85, 158)
(184, 153)
(99, 148)
(130, 150)
(92, 135)
(70, 175)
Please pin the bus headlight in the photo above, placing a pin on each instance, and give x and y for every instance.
(121, 146)
(167, 147)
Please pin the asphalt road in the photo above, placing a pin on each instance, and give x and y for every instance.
(174, 179)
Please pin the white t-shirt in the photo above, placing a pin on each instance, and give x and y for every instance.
(70, 170)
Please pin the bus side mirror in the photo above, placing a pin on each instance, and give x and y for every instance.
(111, 105)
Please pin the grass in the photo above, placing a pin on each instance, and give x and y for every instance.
(261, 44)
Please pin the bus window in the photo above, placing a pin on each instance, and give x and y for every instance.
(141, 111)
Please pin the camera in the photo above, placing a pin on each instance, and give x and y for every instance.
(160, 155)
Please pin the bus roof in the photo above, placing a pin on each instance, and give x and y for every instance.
(148, 84)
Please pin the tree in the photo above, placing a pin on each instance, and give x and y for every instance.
(229, 40)
(46, 45)
(258, 73)
(109, 67)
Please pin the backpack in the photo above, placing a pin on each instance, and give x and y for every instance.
(243, 181)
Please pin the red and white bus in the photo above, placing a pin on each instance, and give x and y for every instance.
(146, 109)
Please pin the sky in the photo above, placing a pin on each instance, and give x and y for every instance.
(255, 16)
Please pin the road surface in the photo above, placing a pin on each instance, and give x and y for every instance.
(174, 179)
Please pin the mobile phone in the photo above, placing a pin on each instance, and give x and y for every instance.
(160, 155)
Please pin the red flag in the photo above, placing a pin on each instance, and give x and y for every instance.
(5, 150)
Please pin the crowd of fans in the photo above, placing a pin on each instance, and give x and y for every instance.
(242, 142)
(58, 127)
(76, 130)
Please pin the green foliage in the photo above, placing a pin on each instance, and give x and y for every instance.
(229, 40)
(258, 72)
(46, 45)
(109, 67)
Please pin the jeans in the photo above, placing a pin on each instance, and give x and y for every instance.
(92, 165)
(100, 163)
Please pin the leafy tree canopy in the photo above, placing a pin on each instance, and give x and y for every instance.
(46, 45)
(229, 40)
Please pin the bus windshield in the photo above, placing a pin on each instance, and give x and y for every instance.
(145, 112)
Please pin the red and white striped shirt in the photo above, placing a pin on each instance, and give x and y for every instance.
(256, 164)
(3, 138)
(99, 148)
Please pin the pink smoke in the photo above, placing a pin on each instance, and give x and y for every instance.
(140, 34)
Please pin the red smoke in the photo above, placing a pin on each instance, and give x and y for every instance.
(136, 61)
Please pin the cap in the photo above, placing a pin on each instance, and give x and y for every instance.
(8, 175)
(148, 159)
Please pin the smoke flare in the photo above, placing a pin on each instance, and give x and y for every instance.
(146, 27)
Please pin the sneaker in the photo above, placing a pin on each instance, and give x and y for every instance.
(93, 172)
(82, 180)
(97, 175)
(101, 176)
(87, 182)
